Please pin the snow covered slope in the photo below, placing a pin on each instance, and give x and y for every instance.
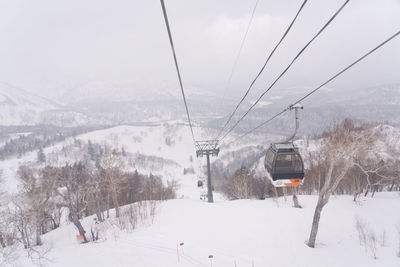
(164, 150)
(239, 233)
(19, 107)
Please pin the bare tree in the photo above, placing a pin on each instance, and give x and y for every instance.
(74, 188)
(2, 196)
(342, 148)
(240, 185)
(378, 173)
(20, 219)
(38, 188)
(112, 165)
(262, 187)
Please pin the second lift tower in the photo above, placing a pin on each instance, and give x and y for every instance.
(207, 148)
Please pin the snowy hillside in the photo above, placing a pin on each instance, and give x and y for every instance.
(161, 150)
(167, 149)
(20, 107)
(238, 233)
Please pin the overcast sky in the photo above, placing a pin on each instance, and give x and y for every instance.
(49, 46)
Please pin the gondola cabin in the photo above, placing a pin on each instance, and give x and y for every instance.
(284, 165)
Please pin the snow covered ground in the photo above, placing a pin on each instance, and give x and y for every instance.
(245, 232)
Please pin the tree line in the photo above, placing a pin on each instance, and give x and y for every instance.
(77, 190)
(30, 138)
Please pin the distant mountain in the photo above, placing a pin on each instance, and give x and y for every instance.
(126, 103)
(374, 104)
(137, 91)
(108, 103)
(20, 107)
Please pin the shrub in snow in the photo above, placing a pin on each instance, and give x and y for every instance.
(140, 213)
(362, 230)
(368, 238)
(372, 241)
(382, 239)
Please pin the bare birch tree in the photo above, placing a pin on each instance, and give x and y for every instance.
(2, 221)
(74, 188)
(240, 185)
(112, 165)
(342, 148)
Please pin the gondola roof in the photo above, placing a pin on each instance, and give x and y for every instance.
(284, 147)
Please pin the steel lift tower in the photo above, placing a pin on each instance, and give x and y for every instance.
(207, 148)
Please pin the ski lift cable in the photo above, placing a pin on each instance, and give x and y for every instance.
(241, 47)
(287, 68)
(261, 70)
(319, 87)
(177, 68)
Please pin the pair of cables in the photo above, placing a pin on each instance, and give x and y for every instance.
(262, 69)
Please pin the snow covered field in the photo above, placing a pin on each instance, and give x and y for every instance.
(245, 232)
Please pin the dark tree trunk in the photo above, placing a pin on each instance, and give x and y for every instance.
(99, 216)
(2, 243)
(54, 223)
(75, 220)
(25, 240)
(116, 204)
(315, 224)
(108, 206)
(296, 201)
(28, 242)
(391, 187)
(38, 239)
(99, 213)
(373, 191)
(366, 192)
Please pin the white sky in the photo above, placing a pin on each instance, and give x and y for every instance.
(49, 46)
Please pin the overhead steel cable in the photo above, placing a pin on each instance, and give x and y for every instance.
(348, 67)
(177, 67)
(261, 70)
(241, 46)
(319, 87)
(287, 68)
